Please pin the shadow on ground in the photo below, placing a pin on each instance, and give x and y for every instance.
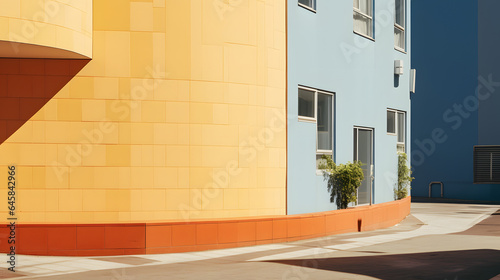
(451, 265)
(487, 227)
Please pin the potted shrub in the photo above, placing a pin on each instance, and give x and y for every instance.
(343, 181)
(404, 177)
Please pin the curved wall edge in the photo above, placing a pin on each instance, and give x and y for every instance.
(65, 26)
(173, 237)
(26, 50)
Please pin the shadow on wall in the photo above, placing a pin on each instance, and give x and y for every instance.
(396, 81)
(467, 264)
(26, 85)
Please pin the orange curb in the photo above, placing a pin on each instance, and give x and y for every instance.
(170, 237)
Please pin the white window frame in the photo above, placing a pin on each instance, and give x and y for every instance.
(356, 10)
(315, 119)
(396, 123)
(312, 9)
(318, 151)
(310, 119)
(372, 165)
(403, 133)
(399, 27)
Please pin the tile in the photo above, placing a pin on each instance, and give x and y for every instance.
(228, 232)
(141, 16)
(124, 237)
(118, 20)
(279, 229)
(183, 235)
(293, 227)
(91, 237)
(61, 238)
(32, 238)
(206, 234)
(158, 236)
(246, 231)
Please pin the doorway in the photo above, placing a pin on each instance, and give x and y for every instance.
(363, 151)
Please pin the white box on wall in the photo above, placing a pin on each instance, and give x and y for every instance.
(398, 67)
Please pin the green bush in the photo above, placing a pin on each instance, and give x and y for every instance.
(404, 177)
(343, 181)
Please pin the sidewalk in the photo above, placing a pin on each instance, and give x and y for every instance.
(428, 220)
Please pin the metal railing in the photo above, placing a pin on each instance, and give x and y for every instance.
(430, 188)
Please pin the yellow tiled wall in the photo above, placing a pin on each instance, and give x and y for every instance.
(179, 115)
(64, 25)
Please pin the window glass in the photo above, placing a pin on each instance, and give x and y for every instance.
(318, 106)
(306, 103)
(400, 13)
(401, 127)
(391, 122)
(365, 7)
(308, 3)
(399, 24)
(363, 17)
(399, 38)
(362, 24)
(325, 119)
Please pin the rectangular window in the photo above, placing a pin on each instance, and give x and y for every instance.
(486, 164)
(396, 125)
(401, 127)
(399, 25)
(317, 106)
(311, 4)
(391, 122)
(306, 103)
(401, 132)
(363, 17)
(325, 120)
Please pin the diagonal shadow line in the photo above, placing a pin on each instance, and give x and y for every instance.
(465, 264)
(487, 227)
(26, 85)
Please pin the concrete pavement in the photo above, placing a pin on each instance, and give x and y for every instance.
(437, 241)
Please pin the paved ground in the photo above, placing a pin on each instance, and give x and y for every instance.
(437, 241)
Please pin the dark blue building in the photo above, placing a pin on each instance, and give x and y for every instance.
(456, 110)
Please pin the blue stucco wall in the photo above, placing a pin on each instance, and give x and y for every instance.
(452, 53)
(324, 53)
(489, 70)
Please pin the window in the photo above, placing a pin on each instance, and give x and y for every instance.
(317, 106)
(486, 164)
(306, 103)
(401, 127)
(399, 25)
(325, 119)
(311, 4)
(391, 122)
(363, 17)
(396, 125)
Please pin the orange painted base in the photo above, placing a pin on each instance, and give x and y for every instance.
(156, 238)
